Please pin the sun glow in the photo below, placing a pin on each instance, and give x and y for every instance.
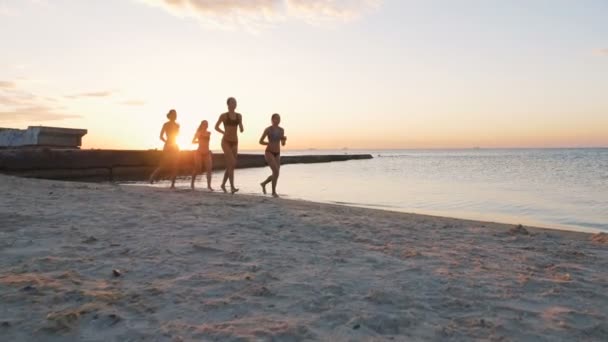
(542, 89)
(184, 141)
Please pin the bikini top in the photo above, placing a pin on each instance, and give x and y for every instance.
(274, 134)
(232, 122)
(203, 136)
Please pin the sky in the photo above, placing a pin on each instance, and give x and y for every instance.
(361, 74)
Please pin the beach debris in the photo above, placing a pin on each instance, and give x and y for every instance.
(114, 318)
(63, 320)
(379, 297)
(90, 239)
(411, 253)
(519, 229)
(28, 288)
(5, 324)
(116, 272)
(356, 326)
(601, 238)
(261, 292)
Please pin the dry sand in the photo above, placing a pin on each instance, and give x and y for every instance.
(198, 266)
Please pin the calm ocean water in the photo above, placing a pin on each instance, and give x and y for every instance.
(556, 188)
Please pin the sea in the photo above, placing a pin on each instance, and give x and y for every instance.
(553, 188)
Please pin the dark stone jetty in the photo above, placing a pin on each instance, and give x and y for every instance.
(124, 165)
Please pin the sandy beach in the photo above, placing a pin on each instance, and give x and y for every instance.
(102, 262)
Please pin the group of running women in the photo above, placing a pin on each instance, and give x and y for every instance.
(273, 138)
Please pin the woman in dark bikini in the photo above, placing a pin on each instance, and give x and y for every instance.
(202, 156)
(276, 139)
(170, 159)
(230, 141)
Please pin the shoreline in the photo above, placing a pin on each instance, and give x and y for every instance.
(437, 214)
(111, 262)
(525, 222)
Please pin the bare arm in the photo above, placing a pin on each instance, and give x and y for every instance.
(241, 123)
(162, 134)
(283, 138)
(264, 135)
(218, 123)
(195, 139)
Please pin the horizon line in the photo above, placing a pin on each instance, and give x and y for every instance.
(382, 149)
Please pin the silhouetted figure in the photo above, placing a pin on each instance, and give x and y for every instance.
(230, 141)
(202, 156)
(276, 138)
(170, 159)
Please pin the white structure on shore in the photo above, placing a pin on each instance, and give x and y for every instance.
(41, 136)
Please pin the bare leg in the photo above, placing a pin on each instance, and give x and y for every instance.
(264, 183)
(209, 167)
(161, 167)
(228, 155)
(275, 180)
(154, 174)
(174, 167)
(173, 176)
(274, 164)
(223, 186)
(195, 170)
(267, 156)
(235, 150)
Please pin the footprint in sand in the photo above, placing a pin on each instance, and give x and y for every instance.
(201, 248)
(383, 324)
(260, 291)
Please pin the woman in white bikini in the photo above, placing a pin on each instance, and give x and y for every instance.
(276, 139)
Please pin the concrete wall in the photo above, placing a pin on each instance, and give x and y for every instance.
(42, 136)
(10, 137)
(120, 165)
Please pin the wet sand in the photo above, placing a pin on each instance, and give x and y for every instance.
(101, 262)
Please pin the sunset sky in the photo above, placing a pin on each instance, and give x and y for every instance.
(342, 73)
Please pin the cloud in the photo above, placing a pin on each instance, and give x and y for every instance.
(18, 105)
(7, 85)
(91, 94)
(34, 114)
(7, 100)
(256, 14)
(601, 52)
(13, 96)
(133, 103)
(318, 10)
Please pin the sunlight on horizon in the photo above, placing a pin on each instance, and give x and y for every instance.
(354, 74)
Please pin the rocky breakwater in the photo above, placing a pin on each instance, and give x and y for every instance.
(124, 165)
